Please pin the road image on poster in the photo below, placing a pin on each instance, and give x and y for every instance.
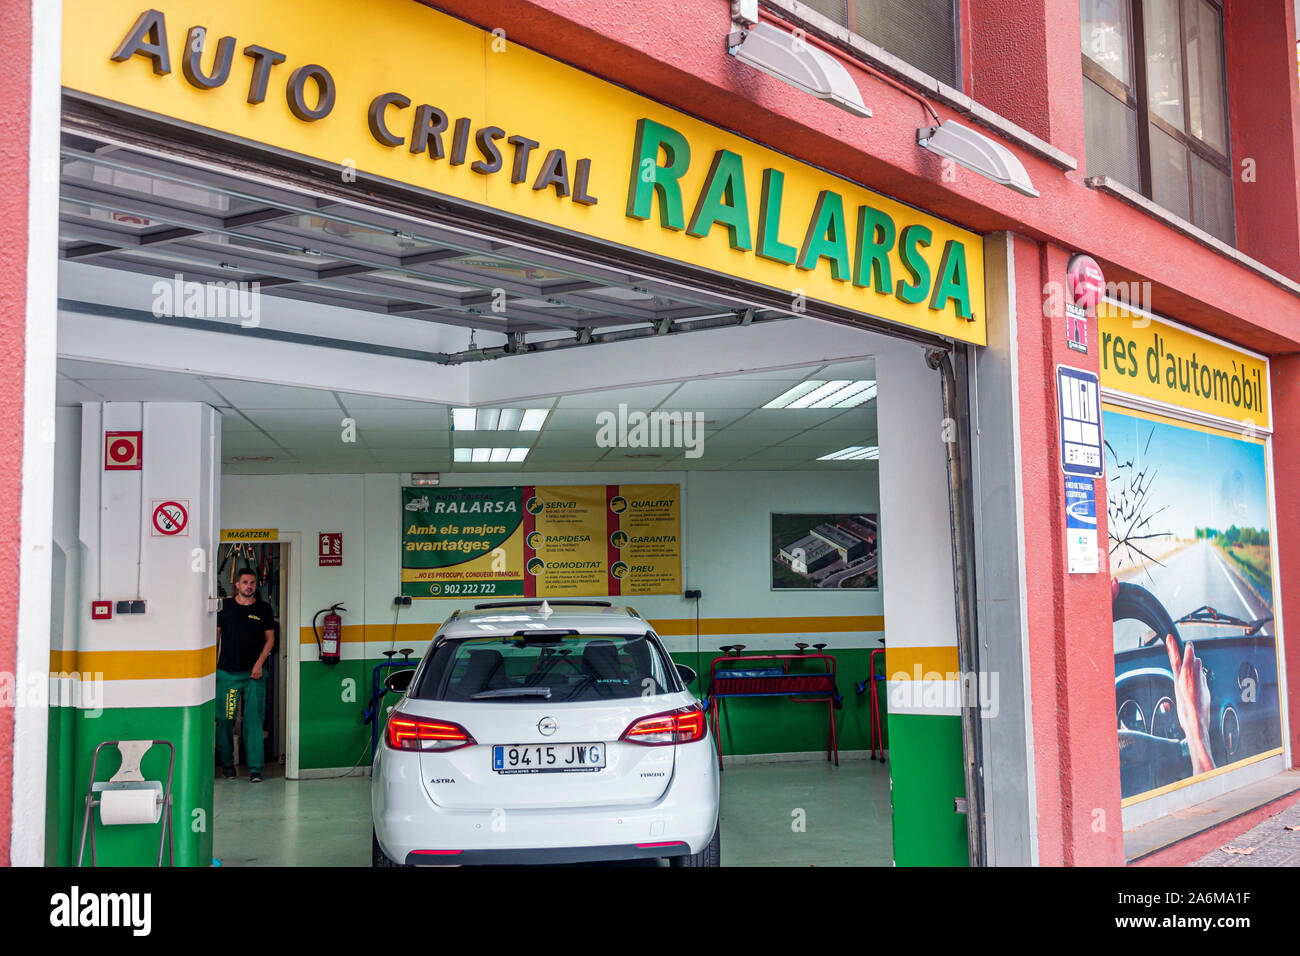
(1196, 667)
(551, 541)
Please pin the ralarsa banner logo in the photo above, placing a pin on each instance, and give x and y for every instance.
(551, 541)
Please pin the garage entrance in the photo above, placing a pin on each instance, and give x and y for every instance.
(304, 350)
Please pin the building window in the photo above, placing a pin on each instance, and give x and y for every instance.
(1154, 104)
(921, 32)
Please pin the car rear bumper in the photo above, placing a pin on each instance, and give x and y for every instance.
(572, 854)
(407, 821)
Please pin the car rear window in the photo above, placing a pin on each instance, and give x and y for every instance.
(555, 669)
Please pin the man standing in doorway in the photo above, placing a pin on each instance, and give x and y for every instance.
(245, 638)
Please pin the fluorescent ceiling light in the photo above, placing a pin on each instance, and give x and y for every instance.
(533, 420)
(853, 453)
(978, 153)
(795, 61)
(785, 398)
(825, 390)
(818, 393)
(498, 419)
(481, 455)
(851, 396)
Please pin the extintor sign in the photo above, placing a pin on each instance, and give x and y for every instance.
(329, 553)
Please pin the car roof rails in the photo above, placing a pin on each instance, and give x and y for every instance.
(553, 602)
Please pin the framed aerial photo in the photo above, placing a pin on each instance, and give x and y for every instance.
(825, 551)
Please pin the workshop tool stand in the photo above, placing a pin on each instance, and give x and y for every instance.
(129, 777)
(378, 692)
(769, 675)
(877, 725)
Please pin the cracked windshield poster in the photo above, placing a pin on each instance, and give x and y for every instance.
(541, 541)
(1196, 664)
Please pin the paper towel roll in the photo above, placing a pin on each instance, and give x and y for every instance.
(137, 804)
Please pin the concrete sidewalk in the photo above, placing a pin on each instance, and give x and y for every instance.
(1270, 844)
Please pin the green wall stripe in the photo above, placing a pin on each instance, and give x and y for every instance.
(926, 774)
(332, 735)
(74, 736)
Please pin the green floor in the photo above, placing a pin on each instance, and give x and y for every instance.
(791, 813)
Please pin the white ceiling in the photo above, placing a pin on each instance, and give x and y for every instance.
(275, 429)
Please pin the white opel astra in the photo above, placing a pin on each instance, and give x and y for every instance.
(535, 732)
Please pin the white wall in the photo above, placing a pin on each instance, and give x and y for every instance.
(725, 533)
(122, 559)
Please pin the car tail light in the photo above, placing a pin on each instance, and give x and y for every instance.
(679, 726)
(416, 733)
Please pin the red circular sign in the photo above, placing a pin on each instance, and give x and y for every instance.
(170, 518)
(121, 450)
(1087, 284)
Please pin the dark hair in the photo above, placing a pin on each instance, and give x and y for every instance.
(245, 571)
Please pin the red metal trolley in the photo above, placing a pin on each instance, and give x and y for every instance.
(769, 675)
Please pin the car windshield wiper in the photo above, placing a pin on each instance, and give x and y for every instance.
(1208, 615)
(512, 692)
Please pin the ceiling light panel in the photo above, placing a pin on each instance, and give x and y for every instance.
(817, 394)
(853, 453)
(479, 456)
(785, 398)
(498, 419)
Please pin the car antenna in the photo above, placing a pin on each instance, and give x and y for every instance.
(545, 610)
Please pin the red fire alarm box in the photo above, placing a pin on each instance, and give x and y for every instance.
(123, 451)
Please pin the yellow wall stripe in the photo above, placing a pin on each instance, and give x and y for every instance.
(1188, 781)
(681, 626)
(903, 661)
(137, 665)
(665, 627)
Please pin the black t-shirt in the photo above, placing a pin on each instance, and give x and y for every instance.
(243, 634)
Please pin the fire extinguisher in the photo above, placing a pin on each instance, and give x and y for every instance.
(329, 641)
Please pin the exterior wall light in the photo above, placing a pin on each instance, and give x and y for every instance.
(978, 153)
(793, 60)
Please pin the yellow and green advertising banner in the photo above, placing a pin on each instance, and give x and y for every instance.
(541, 541)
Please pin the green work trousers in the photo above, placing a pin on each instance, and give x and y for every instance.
(229, 688)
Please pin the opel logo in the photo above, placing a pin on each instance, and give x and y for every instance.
(547, 726)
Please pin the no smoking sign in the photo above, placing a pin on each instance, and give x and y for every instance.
(170, 518)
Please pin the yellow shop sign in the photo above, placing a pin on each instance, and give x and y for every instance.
(1160, 361)
(415, 96)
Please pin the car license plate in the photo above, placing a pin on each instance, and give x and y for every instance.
(548, 758)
